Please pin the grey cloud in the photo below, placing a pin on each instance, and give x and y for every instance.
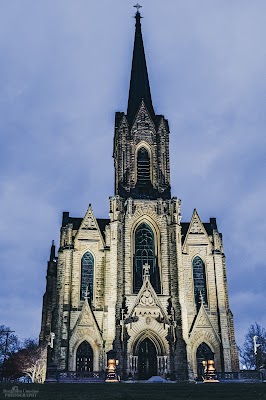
(64, 71)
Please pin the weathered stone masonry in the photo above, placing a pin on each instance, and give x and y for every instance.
(180, 314)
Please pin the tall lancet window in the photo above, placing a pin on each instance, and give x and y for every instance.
(145, 253)
(143, 170)
(87, 273)
(200, 292)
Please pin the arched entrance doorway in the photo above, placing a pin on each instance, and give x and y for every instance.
(84, 359)
(203, 353)
(147, 359)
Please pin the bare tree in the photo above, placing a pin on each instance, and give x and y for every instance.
(9, 342)
(32, 361)
(252, 353)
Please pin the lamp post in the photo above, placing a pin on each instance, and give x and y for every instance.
(209, 375)
(51, 373)
(111, 375)
(257, 351)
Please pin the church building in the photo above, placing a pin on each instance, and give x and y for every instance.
(142, 282)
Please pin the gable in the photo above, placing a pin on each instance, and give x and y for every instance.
(195, 231)
(143, 120)
(87, 320)
(89, 221)
(120, 121)
(147, 302)
(89, 227)
(196, 225)
(203, 323)
(162, 125)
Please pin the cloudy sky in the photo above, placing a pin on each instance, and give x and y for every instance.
(65, 70)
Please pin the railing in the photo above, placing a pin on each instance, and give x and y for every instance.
(162, 364)
(133, 364)
(239, 376)
(99, 376)
(81, 375)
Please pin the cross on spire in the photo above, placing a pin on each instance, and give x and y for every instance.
(139, 82)
(137, 6)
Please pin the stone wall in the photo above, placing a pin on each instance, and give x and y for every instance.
(121, 319)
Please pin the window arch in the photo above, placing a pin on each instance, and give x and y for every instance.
(199, 281)
(143, 168)
(87, 275)
(145, 253)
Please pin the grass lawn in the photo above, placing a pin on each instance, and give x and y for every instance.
(225, 391)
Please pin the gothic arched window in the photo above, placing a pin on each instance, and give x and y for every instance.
(143, 168)
(145, 253)
(87, 272)
(199, 281)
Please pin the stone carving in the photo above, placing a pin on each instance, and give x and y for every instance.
(217, 241)
(131, 319)
(197, 250)
(89, 222)
(85, 320)
(63, 352)
(148, 320)
(202, 321)
(146, 269)
(147, 299)
(196, 227)
(130, 210)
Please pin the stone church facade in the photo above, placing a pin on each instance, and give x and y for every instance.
(142, 282)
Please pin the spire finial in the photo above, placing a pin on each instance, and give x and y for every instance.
(139, 82)
(137, 6)
(52, 252)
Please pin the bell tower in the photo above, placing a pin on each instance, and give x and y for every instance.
(141, 142)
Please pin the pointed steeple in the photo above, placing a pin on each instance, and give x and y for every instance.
(146, 175)
(52, 252)
(139, 83)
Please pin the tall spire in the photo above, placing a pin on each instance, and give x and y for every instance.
(139, 82)
(52, 252)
